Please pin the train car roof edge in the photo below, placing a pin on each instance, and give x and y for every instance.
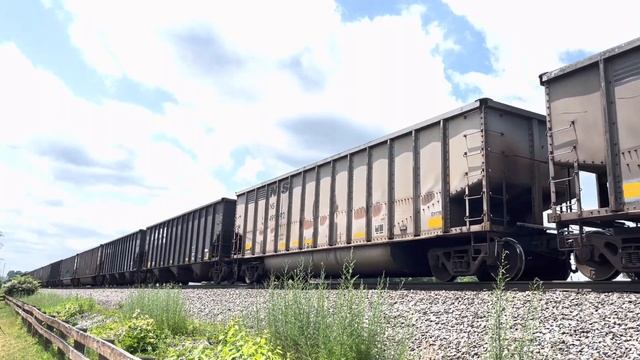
(455, 112)
(222, 199)
(631, 44)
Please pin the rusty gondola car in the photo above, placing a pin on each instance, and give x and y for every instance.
(593, 111)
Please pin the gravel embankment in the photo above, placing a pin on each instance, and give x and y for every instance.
(454, 325)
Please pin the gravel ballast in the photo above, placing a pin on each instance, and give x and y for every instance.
(454, 324)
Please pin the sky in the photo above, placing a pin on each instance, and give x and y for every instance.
(115, 115)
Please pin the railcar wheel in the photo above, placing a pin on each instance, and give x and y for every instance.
(593, 264)
(596, 269)
(235, 274)
(151, 278)
(440, 272)
(219, 273)
(512, 259)
(138, 278)
(250, 276)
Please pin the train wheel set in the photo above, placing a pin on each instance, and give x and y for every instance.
(455, 195)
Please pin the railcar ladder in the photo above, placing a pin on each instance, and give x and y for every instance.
(568, 238)
(469, 175)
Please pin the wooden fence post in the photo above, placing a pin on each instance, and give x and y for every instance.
(60, 353)
(30, 327)
(77, 344)
(47, 342)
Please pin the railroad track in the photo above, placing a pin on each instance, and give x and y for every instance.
(578, 286)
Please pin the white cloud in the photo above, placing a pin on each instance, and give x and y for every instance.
(47, 3)
(236, 76)
(99, 165)
(249, 170)
(379, 72)
(527, 38)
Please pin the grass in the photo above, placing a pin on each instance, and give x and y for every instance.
(45, 300)
(15, 342)
(308, 321)
(165, 306)
(68, 309)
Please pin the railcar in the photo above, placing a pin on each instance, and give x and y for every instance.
(121, 260)
(48, 275)
(37, 274)
(68, 271)
(194, 246)
(593, 112)
(442, 198)
(87, 270)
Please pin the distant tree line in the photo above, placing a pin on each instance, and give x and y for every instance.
(13, 273)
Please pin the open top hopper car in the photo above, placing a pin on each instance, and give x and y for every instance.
(121, 259)
(48, 275)
(439, 198)
(193, 246)
(593, 110)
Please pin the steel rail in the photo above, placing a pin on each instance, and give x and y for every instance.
(577, 286)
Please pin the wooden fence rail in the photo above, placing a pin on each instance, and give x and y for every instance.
(58, 333)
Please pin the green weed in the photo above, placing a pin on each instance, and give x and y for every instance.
(165, 306)
(64, 308)
(233, 342)
(504, 340)
(44, 300)
(308, 321)
(137, 334)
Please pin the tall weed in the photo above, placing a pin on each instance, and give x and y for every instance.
(65, 308)
(165, 306)
(308, 321)
(44, 300)
(505, 341)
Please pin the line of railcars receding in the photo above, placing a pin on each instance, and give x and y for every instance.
(188, 247)
(446, 197)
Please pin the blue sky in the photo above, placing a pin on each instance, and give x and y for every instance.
(118, 115)
(45, 41)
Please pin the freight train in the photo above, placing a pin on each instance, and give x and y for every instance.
(451, 196)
